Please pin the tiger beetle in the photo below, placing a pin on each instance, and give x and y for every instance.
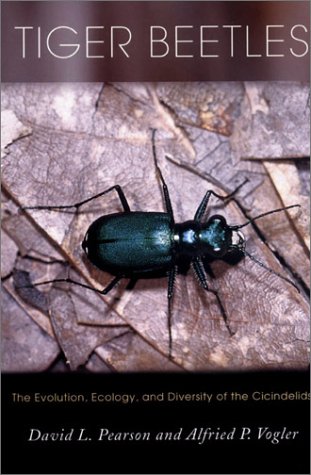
(135, 244)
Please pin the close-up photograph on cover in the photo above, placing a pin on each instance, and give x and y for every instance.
(155, 227)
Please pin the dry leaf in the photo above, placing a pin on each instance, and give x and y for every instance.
(77, 341)
(8, 254)
(286, 180)
(274, 121)
(25, 347)
(11, 130)
(125, 354)
(211, 106)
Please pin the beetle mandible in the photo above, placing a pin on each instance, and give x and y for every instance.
(134, 244)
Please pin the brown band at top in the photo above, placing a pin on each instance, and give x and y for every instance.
(155, 40)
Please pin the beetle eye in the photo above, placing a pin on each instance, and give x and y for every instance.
(238, 240)
(84, 245)
(218, 220)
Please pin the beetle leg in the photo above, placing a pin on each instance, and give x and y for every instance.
(118, 189)
(130, 286)
(203, 205)
(170, 292)
(105, 291)
(111, 285)
(200, 273)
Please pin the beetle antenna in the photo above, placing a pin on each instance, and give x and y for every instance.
(239, 226)
(155, 159)
(270, 270)
(166, 194)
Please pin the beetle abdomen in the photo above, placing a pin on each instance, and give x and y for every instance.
(130, 242)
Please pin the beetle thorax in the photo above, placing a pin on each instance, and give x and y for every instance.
(196, 239)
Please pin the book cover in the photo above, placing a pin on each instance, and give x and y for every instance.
(155, 236)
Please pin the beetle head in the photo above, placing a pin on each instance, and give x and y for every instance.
(216, 236)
